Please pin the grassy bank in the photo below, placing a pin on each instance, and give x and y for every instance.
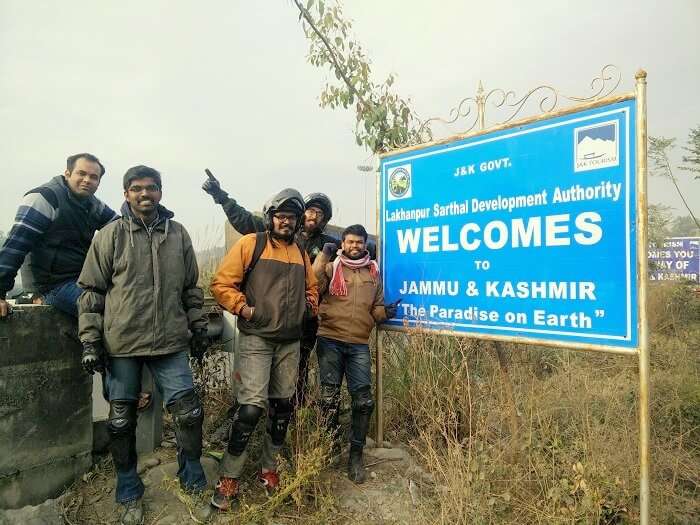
(574, 457)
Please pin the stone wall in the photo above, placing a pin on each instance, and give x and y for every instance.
(45, 406)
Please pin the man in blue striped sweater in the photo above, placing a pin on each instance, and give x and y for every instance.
(51, 235)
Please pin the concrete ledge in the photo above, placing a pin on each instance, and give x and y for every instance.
(45, 406)
(32, 486)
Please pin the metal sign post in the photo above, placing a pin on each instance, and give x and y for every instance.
(533, 231)
(643, 276)
(379, 346)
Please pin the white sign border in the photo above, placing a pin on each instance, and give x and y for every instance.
(416, 322)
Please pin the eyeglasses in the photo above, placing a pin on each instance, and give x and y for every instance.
(285, 218)
(151, 188)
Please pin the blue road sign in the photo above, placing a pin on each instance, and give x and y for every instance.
(527, 232)
(677, 260)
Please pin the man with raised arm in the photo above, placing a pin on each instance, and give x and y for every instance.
(318, 211)
(267, 281)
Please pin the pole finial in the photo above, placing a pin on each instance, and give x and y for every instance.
(640, 74)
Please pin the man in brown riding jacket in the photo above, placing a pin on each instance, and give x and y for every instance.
(352, 302)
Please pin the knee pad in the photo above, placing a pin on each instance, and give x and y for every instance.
(187, 410)
(122, 417)
(362, 401)
(242, 427)
(248, 414)
(121, 427)
(362, 407)
(278, 421)
(281, 408)
(188, 414)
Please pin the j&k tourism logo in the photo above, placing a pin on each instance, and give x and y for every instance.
(596, 146)
(400, 182)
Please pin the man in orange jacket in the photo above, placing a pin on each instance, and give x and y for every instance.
(267, 281)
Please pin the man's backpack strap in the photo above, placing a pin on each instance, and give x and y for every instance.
(303, 253)
(260, 242)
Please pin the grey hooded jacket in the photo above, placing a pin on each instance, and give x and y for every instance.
(140, 292)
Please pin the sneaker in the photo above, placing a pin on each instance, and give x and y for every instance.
(270, 481)
(198, 505)
(225, 492)
(132, 513)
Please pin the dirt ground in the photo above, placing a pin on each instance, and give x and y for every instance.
(391, 493)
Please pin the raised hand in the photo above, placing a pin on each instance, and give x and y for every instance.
(213, 187)
(329, 249)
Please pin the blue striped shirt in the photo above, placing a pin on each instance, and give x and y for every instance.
(33, 219)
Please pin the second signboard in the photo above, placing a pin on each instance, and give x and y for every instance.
(677, 260)
(524, 233)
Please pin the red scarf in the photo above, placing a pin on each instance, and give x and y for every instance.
(338, 286)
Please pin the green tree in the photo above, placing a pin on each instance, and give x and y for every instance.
(692, 161)
(684, 227)
(384, 120)
(659, 223)
(660, 166)
(660, 220)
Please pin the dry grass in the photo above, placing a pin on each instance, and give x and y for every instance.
(577, 413)
(305, 494)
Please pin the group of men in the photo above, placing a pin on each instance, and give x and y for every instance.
(131, 280)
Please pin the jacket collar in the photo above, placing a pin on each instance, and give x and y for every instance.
(164, 215)
(88, 202)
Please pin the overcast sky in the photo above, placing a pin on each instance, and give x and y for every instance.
(181, 86)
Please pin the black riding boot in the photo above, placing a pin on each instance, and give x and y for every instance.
(362, 407)
(356, 471)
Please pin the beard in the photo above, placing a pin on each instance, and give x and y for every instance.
(355, 257)
(286, 237)
(311, 229)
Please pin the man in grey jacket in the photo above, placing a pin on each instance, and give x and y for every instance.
(140, 302)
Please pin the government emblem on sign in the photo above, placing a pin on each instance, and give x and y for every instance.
(400, 182)
(596, 146)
